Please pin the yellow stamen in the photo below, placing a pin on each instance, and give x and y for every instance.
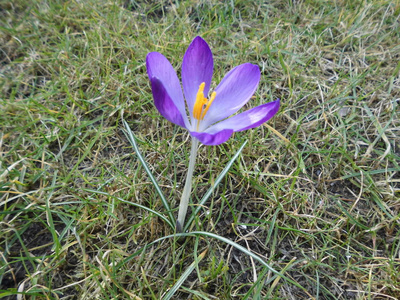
(200, 101)
(202, 104)
(208, 104)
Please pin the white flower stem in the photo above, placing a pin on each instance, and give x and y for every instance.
(183, 206)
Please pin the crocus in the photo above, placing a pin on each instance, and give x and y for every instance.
(208, 119)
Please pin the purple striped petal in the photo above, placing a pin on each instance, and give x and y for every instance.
(248, 119)
(233, 92)
(197, 67)
(214, 138)
(159, 67)
(165, 105)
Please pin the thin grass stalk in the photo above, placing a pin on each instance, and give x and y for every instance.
(211, 189)
(129, 134)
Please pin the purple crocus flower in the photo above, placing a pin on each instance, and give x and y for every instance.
(208, 119)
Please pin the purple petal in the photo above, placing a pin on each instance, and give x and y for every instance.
(197, 67)
(165, 105)
(248, 119)
(213, 139)
(158, 66)
(233, 92)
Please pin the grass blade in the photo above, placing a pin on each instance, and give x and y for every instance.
(211, 189)
(184, 276)
(131, 139)
(161, 216)
(222, 239)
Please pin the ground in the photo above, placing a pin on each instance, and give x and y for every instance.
(314, 193)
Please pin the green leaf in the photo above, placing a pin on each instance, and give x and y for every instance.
(161, 216)
(211, 189)
(222, 239)
(129, 134)
(184, 276)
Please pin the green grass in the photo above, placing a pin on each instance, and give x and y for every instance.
(315, 192)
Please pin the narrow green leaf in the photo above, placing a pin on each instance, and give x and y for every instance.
(57, 245)
(131, 138)
(351, 218)
(184, 276)
(245, 251)
(135, 204)
(87, 151)
(222, 239)
(211, 189)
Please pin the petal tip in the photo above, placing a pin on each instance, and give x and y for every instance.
(277, 103)
(199, 39)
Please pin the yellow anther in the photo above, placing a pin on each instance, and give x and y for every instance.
(202, 104)
(200, 101)
(208, 104)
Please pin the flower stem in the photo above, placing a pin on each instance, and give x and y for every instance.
(183, 206)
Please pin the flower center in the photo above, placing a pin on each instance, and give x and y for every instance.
(202, 104)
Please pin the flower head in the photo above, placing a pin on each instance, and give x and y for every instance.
(208, 119)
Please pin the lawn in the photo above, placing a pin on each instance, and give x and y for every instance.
(313, 195)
